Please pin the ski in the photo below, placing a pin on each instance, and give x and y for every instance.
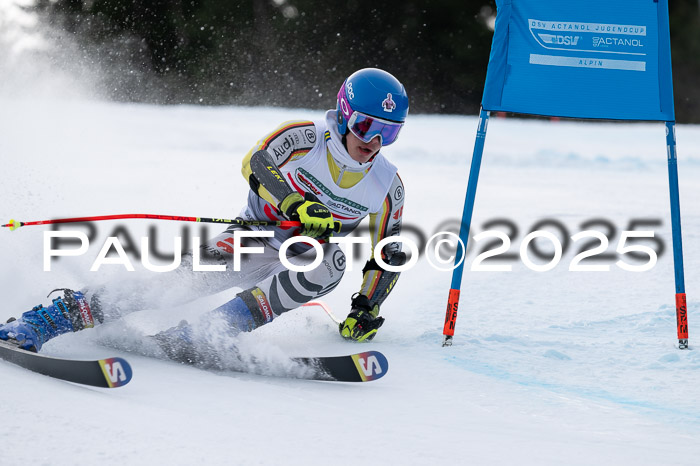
(366, 366)
(360, 367)
(105, 373)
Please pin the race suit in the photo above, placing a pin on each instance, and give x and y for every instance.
(310, 157)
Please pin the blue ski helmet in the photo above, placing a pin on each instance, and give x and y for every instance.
(372, 92)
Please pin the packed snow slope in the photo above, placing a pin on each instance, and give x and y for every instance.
(575, 367)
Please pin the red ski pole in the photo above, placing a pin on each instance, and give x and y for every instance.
(14, 224)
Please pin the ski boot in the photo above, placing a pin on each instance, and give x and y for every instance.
(69, 313)
(198, 345)
(179, 344)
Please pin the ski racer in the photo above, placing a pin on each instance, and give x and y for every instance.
(329, 175)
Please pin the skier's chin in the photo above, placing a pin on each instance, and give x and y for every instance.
(360, 151)
(362, 155)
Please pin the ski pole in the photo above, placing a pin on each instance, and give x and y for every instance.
(14, 224)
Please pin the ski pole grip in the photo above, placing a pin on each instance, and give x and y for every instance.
(292, 223)
(288, 224)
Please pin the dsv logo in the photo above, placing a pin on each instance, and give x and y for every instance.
(555, 39)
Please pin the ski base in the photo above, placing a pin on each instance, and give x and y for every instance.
(104, 373)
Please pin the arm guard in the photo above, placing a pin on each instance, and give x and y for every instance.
(290, 141)
(266, 174)
(376, 282)
(383, 280)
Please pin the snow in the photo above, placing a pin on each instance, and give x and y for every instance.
(546, 368)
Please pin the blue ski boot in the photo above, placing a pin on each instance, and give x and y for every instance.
(69, 313)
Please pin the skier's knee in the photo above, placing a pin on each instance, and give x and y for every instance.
(329, 272)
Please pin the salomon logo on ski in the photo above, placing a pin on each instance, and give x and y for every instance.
(117, 372)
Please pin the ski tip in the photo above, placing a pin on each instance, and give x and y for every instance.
(371, 365)
(117, 372)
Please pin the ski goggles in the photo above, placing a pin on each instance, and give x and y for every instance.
(367, 127)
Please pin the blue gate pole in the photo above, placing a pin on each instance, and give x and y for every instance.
(453, 298)
(681, 306)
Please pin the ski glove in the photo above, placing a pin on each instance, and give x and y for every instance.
(363, 321)
(316, 219)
